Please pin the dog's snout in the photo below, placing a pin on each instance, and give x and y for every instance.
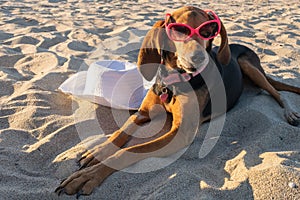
(197, 58)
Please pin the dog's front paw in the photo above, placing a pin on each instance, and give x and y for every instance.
(292, 117)
(84, 181)
(96, 155)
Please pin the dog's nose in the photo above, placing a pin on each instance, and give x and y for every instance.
(197, 58)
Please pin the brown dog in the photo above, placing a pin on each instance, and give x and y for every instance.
(189, 73)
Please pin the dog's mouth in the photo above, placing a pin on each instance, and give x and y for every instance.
(190, 67)
(185, 65)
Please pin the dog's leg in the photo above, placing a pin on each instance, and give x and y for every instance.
(121, 136)
(282, 86)
(180, 135)
(113, 143)
(253, 72)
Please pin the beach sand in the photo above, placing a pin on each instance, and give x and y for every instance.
(42, 130)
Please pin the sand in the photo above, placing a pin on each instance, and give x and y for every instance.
(42, 130)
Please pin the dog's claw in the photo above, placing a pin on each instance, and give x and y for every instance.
(86, 162)
(80, 193)
(83, 157)
(292, 117)
(78, 162)
(82, 166)
(60, 190)
(63, 181)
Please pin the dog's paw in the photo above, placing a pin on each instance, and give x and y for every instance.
(88, 160)
(84, 181)
(96, 155)
(81, 183)
(292, 117)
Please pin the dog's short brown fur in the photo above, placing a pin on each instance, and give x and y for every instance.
(232, 60)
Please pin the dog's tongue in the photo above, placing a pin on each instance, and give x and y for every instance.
(164, 97)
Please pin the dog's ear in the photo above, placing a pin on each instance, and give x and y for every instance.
(224, 54)
(209, 45)
(150, 52)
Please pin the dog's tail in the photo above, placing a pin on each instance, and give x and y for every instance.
(282, 86)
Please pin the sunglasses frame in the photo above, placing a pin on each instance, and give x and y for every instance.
(196, 30)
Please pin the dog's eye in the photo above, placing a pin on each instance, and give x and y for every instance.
(209, 30)
(181, 30)
(206, 33)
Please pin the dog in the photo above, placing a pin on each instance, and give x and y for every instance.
(178, 52)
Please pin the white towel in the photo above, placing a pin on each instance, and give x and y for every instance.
(110, 83)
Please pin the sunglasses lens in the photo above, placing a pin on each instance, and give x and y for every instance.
(179, 32)
(209, 30)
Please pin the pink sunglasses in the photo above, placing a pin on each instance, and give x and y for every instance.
(182, 32)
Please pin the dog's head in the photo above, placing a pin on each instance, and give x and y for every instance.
(182, 40)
